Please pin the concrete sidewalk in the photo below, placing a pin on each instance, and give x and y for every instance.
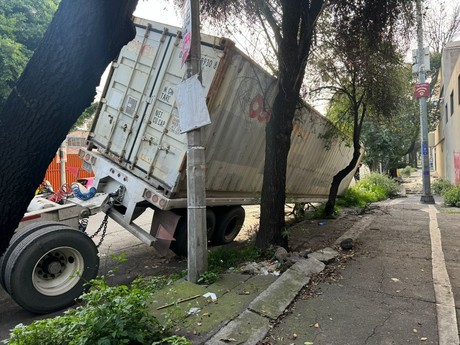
(245, 306)
(384, 295)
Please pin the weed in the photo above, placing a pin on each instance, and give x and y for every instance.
(372, 188)
(440, 186)
(110, 315)
(207, 278)
(405, 172)
(174, 340)
(452, 196)
(177, 275)
(223, 258)
(318, 212)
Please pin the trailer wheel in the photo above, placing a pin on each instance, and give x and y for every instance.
(48, 270)
(180, 245)
(211, 221)
(17, 238)
(229, 223)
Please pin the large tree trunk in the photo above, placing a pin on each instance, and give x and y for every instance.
(298, 23)
(278, 142)
(57, 85)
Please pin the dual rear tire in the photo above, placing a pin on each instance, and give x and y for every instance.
(47, 268)
(223, 225)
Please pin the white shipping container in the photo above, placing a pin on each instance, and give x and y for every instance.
(138, 125)
(138, 154)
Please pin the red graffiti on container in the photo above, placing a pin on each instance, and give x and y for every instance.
(258, 111)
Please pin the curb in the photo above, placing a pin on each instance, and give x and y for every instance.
(253, 324)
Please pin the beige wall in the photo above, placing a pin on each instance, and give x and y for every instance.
(447, 135)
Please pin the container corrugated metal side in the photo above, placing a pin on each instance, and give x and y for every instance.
(138, 126)
(235, 146)
(74, 162)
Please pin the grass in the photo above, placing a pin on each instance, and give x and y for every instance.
(372, 188)
(222, 258)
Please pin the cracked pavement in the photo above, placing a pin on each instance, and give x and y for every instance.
(384, 294)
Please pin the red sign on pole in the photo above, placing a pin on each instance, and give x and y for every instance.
(186, 31)
(421, 90)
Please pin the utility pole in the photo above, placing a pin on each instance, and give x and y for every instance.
(426, 197)
(196, 195)
(62, 162)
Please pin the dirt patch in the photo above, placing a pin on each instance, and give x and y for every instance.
(319, 233)
(308, 234)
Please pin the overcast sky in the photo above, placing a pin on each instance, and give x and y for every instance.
(158, 10)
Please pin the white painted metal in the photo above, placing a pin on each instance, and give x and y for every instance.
(62, 274)
(138, 130)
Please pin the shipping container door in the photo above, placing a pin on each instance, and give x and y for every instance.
(160, 149)
(135, 74)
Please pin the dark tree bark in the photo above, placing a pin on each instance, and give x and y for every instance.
(413, 155)
(57, 85)
(295, 39)
(358, 119)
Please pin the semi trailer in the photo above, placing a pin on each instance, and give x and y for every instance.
(137, 152)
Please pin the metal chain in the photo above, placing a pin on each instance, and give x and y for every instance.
(102, 227)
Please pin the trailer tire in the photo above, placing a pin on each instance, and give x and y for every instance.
(17, 238)
(211, 221)
(229, 223)
(49, 269)
(180, 245)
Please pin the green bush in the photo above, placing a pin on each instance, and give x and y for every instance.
(353, 197)
(110, 315)
(440, 186)
(452, 196)
(388, 187)
(372, 188)
(407, 171)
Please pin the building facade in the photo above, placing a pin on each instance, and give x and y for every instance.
(447, 134)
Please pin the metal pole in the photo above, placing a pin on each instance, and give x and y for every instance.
(426, 197)
(62, 162)
(196, 196)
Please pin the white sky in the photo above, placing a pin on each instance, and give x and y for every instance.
(158, 10)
